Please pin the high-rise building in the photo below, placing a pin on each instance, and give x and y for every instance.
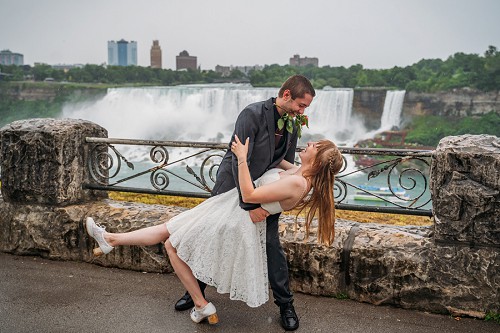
(156, 55)
(10, 58)
(132, 53)
(302, 62)
(122, 53)
(185, 61)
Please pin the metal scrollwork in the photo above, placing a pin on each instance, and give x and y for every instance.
(409, 174)
(159, 154)
(406, 180)
(344, 165)
(159, 179)
(339, 190)
(340, 187)
(212, 171)
(405, 174)
(101, 163)
(213, 167)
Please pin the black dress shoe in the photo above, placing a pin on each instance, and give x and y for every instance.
(184, 303)
(289, 319)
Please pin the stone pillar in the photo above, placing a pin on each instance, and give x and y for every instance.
(43, 161)
(465, 189)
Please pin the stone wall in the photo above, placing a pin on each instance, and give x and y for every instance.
(452, 267)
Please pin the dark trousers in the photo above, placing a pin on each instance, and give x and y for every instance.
(277, 266)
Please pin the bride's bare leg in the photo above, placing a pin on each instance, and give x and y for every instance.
(142, 237)
(186, 276)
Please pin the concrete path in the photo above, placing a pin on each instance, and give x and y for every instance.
(38, 295)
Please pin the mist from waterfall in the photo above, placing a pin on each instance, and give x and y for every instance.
(188, 113)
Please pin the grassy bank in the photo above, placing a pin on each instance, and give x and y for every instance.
(428, 130)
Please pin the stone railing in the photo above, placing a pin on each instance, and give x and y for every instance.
(451, 267)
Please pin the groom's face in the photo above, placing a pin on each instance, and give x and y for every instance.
(296, 106)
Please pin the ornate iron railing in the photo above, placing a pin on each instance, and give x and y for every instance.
(375, 180)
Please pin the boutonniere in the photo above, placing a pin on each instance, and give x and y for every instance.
(287, 121)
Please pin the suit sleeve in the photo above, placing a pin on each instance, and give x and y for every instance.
(246, 126)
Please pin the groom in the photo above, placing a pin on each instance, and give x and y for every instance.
(268, 147)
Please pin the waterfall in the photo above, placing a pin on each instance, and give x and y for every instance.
(206, 112)
(331, 115)
(190, 113)
(393, 105)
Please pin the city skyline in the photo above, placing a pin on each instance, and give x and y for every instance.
(380, 34)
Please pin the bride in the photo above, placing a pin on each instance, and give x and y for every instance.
(217, 243)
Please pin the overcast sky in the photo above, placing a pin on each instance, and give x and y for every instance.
(374, 33)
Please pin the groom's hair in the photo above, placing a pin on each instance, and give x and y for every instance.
(298, 85)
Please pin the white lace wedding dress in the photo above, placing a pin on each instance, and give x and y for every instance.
(223, 247)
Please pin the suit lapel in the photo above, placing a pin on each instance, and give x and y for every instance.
(269, 114)
(289, 138)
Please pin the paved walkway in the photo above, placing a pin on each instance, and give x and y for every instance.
(38, 295)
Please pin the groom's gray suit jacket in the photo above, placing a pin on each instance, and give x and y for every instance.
(256, 122)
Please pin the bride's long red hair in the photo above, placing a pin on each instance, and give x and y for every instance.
(326, 165)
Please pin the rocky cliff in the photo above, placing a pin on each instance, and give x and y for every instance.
(369, 104)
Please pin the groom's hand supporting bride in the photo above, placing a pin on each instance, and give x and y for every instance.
(258, 215)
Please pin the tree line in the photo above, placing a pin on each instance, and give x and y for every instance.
(460, 70)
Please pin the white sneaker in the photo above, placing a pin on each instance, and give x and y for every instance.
(97, 232)
(209, 312)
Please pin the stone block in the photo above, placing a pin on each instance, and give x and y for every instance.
(43, 161)
(59, 232)
(465, 190)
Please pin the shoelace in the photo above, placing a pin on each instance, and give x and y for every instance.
(100, 227)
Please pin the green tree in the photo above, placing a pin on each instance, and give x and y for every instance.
(491, 78)
(236, 74)
(15, 73)
(41, 72)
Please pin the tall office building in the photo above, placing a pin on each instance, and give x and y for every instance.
(156, 55)
(132, 53)
(122, 53)
(185, 61)
(10, 58)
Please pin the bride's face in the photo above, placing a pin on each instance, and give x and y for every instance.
(309, 154)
